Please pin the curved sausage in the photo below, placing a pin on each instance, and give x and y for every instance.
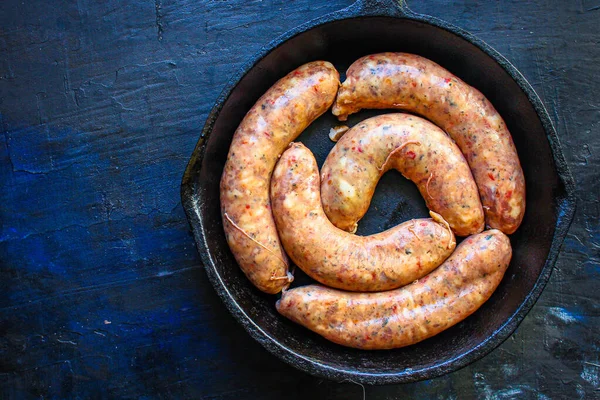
(340, 259)
(405, 316)
(420, 151)
(413, 83)
(276, 119)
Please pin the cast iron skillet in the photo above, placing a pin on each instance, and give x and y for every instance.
(366, 27)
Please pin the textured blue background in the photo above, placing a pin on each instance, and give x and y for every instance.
(101, 290)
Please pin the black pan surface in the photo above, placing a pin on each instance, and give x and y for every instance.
(364, 28)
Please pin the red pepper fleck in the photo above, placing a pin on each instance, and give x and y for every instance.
(414, 84)
(491, 176)
(508, 194)
(423, 223)
(447, 80)
(297, 73)
(411, 155)
(247, 206)
(267, 134)
(360, 150)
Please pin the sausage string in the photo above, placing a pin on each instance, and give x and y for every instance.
(412, 230)
(397, 150)
(438, 218)
(427, 185)
(258, 243)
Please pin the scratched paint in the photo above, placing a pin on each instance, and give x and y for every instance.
(101, 292)
(563, 315)
(590, 374)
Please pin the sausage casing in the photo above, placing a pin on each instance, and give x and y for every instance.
(276, 119)
(408, 315)
(340, 259)
(410, 82)
(420, 151)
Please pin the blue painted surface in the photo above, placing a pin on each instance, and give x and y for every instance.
(101, 291)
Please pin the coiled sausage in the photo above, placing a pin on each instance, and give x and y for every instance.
(337, 258)
(410, 82)
(276, 119)
(420, 151)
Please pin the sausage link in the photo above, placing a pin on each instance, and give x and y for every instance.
(413, 83)
(405, 316)
(340, 259)
(420, 151)
(276, 119)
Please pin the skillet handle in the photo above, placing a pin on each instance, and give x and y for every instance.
(391, 8)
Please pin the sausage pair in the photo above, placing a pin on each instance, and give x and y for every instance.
(416, 84)
(405, 316)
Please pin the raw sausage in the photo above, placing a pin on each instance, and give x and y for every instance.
(276, 119)
(405, 316)
(413, 83)
(337, 258)
(420, 151)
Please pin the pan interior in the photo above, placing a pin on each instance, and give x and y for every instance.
(396, 200)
